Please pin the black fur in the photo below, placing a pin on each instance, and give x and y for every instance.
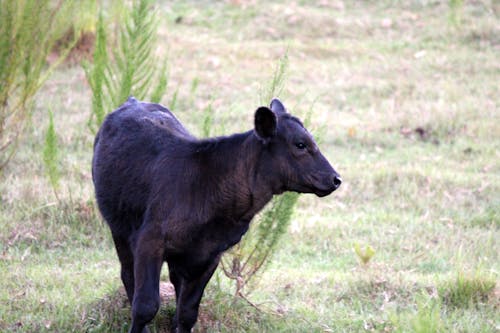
(168, 196)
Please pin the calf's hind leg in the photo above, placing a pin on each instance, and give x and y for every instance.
(148, 259)
(126, 258)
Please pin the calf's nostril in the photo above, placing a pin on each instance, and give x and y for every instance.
(337, 181)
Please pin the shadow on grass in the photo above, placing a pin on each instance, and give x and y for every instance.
(111, 313)
(219, 312)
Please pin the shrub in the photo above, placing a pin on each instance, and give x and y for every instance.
(26, 38)
(132, 69)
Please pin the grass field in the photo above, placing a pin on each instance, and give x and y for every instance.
(406, 96)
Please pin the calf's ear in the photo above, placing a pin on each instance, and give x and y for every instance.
(265, 123)
(277, 106)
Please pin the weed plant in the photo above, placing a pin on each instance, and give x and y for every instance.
(51, 156)
(133, 69)
(26, 39)
(466, 291)
(250, 257)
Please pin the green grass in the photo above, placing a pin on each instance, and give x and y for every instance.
(409, 102)
(467, 291)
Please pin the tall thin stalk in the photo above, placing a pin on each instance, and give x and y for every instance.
(133, 67)
(249, 258)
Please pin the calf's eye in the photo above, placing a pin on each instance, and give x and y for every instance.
(300, 145)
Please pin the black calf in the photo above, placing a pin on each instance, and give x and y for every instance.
(168, 196)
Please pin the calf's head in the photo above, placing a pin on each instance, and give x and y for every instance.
(293, 158)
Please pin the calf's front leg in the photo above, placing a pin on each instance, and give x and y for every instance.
(190, 290)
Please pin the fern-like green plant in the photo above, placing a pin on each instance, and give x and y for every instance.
(28, 32)
(277, 83)
(134, 55)
(96, 75)
(132, 69)
(51, 156)
(250, 257)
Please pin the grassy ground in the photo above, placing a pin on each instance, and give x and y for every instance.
(407, 96)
